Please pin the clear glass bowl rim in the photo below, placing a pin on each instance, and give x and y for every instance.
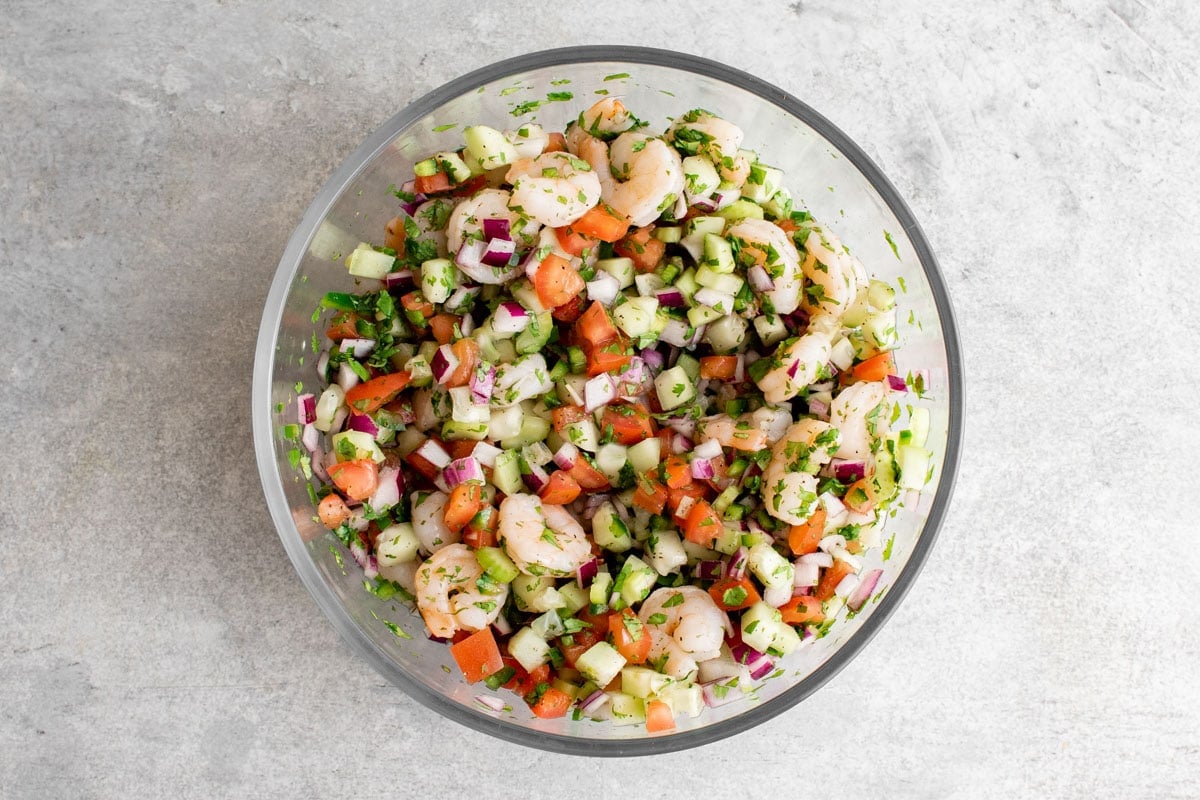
(271, 478)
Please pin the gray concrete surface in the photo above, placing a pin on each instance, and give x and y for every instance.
(154, 640)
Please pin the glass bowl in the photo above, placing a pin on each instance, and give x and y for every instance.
(824, 169)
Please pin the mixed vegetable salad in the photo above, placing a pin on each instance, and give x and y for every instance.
(614, 413)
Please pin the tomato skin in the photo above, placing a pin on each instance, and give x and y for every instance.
(718, 367)
(370, 396)
(358, 480)
(333, 511)
(477, 655)
(556, 281)
(573, 242)
(703, 525)
(803, 610)
(429, 184)
(718, 593)
(466, 500)
(467, 353)
(580, 643)
(629, 636)
(650, 495)
(630, 423)
(832, 576)
(659, 717)
(641, 246)
(343, 326)
(804, 538)
(552, 704)
(600, 223)
(588, 477)
(560, 489)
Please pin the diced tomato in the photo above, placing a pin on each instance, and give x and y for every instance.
(641, 246)
(356, 479)
(416, 302)
(442, 327)
(703, 525)
(659, 717)
(860, 496)
(602, 223)
(460, 448)
(477, 655)
(552, 704)
(734, 594)
(611, 357)
(465, 501)
(569, 311)
(580, 643)
(629, 423)
(467, 353)
(556, 281)
(830, 579)
(557, 143)
(423, 465)
(429, 184)
(481, 531)
(875, 368)
(718, 367)
(572, 241)
(332, 511)
(804, 610)
(469, 186)
(696, 491)
(677, 471)
(650, 495)
(588, 477)
(804, 538)
(529, 680)
(560, 489)
(343, 326)
(372, 395)
(720, 479)
(595, 327)
(565, 416)
(629, 636)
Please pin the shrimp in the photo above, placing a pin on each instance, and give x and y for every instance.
(789, 481)
(702, 133)
(854, 412)
(742, 433)
(647, 177)
(529, 140)
(834, 273)
(431, 218)
(774, 250)
(798, 362)
(606, 117)
(685, 625)
(466, 220)
(554, 189)
(447, 595)
(772, 421)
(542, 539)
(428, 512)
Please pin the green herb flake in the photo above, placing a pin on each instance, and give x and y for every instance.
(892, 243)
(446, 127)
(657, 619)
(554, 97)
(616, 76)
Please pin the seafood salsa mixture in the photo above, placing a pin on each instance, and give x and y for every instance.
(613, 413)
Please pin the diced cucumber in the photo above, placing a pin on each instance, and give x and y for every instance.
(686, 283)
(331, 401)
(600, 663)
(879, 329)
(689, 364)
(439, 277)
(702, 315)
(533, 429)
(700, 226)
(913, 463)
(529, 649)
(367, 262)
(726, 334)
(536, 594)
(601, 589)
(741, 209)
(643, 682)
(525, 294)
(425, 168)
(779, 205)
(671, 234)
(646, 454)
(626, 709)
(718, 281)
(495, 562)
(620, 268)
(452, 165)
(918, 423)
(487, 148)
(664, 552)
(729, 540)
(648, 283)
(675, 388)
(768, 566)
(458, 431)
(884, 477)
(548, 625)
(763, 629)
(770, 329)
(700, 177)
(718, 254)
(634, 581)
(762, 182)
(573, 598)
(506, 474)
(611, 459)
(841, 354)
(583, 434)
(609, 531)
(881, 295)
(505, 422)
(567, 688)
(683, 698)
(636, 315)
(397, 544)
(355, 446)
(536, 334)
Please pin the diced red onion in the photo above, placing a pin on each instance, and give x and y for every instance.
(831, 541)
(739, 370)
(318, 463)
(496, 229)
(848, 471)
(502, 625)
(363, 423)
(671, 297)
(704, 204)
(806, 573)
(387, 493)
(310, 438)
(776, 596)
(566, 455)
(510, 317)
(846, 585)
(537, 478)
(737, 564)
(759, 278)
(587, 573)
(439, 639)
(458, 301)
(702, 469)
(469, 259)
(347, 378)
(680, 444)
(823, 386)
(444, 364)
(489, 702)
(359, 347)
(714, 299)
(365, 560)
(483, 383)
(709, 570)
(323, 365)
(819, 560)
(470, 255)
(592, 504)
(486, 454)
(653, 359)
(758, 663)
(306, 409)
(685, 505)
(434, 453)
(709, 448)
(896, 383)
(461, 470)
(818, 407)
(726, 197)
(801, 591)
(714, 698)
(685, 425)
(339, 419)
(603, 288)
(394, 280)
(862, 592)
(498, 252)
(598, 391)
(594, 702)
(675, 332)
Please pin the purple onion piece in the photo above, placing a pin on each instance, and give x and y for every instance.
(498, 252)
(462, 470)
(896, 383)
(306, 409)
(362, 423)
(587, 573)
(497, 229)
(858, 598)
(444, 363)
(848, 471)
(566, 455)
(702, 469)
(760, 279)
(483, 383)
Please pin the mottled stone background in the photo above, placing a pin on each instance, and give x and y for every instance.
(154, 158)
